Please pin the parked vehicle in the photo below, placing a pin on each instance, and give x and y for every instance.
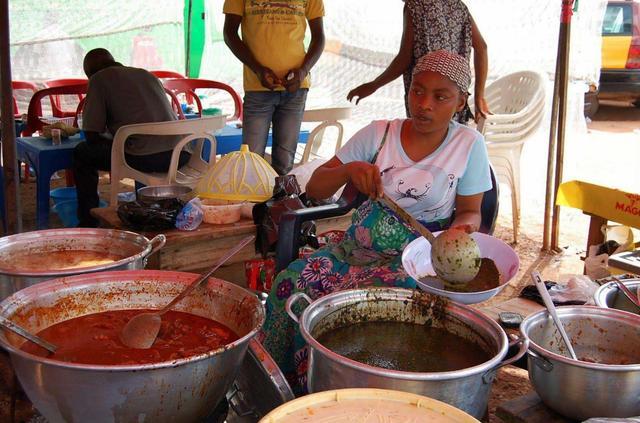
(620, 71)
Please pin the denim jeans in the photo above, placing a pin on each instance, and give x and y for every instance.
(282, 109)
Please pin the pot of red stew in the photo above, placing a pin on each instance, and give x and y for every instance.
(402, 339)
(32, 257)
(94, 377)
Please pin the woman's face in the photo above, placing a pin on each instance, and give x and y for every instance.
(433, 100)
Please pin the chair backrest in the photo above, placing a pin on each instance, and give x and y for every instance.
(21, 85)
(188, 129)
(188, 86)
(34, 123)
(328, 117)
(162, 74)
(517, 102)
(56, 100)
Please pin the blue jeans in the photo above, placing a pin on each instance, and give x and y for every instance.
(284, 110)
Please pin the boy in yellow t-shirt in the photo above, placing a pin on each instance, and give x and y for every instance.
(276, 68)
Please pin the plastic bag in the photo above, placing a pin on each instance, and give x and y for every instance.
(621, 234)
(577, 290)
(190, 216)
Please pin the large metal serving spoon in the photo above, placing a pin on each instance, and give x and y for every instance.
(548, 302)
(142, 330)
(455, 256)
(17, 329)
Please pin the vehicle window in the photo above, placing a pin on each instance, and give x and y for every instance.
(617, 20)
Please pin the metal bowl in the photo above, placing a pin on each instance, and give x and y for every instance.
(133, 247)
(155, 193)
(416, 260)
(180, 390)
(609, 296)
(584, 389)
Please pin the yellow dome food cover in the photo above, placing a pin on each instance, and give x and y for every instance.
(238, 176)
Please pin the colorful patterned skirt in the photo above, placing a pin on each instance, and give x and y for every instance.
(368, 256)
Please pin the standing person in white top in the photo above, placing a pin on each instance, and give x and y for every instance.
(428, 163)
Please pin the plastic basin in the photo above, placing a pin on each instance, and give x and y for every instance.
(67, 212)
(63, 194)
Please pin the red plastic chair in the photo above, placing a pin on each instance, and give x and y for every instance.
(56, 104)
(21, 85)
(164, 74)
(188, 87)
(34, 123)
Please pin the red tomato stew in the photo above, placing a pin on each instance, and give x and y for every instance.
(95, 338)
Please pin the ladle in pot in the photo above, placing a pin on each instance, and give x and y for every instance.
(17, 329)
(622, 287)
(455, 256)
(546, 298)
(142, 330)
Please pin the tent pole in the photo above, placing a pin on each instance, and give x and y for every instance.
(187, 71)
(12, 214)
(546, 235)
(567, 12)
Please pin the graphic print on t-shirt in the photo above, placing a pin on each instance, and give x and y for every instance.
(423, 186)
(281, 11)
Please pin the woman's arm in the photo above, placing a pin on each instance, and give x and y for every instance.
(329, 177)
(481, 68)
(468, 215)
(398, 65)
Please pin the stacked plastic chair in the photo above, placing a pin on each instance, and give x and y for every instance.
(517, 102)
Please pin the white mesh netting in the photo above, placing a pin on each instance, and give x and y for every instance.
(49, 39)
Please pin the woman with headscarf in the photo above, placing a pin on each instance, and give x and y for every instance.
(429, 164)
(431, 25)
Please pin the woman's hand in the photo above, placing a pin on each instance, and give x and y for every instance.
(362, 91)
(366, 178)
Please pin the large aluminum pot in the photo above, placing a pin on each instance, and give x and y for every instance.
(182, 390)
(467, 389)
(609, 295)
(580, 389)
(133, 247)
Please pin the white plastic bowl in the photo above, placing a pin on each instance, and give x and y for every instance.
(416, 260)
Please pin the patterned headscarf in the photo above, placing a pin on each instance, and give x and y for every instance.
(451, 65)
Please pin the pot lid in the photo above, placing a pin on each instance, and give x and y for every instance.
(238, 176)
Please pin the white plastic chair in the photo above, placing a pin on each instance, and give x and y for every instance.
(329, 117)
(190, 130)
(517, 103)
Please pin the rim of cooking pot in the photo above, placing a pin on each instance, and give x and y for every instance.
(147, 246)
(619, 315)
(342, 298)
(67, 283)
(600, 296)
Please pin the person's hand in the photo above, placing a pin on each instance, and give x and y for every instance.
(481, 108)
(362, 91)
(366, 178)
(268, 78)
(466, 227)
(293, 79)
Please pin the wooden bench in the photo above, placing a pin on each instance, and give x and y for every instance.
(193, 251)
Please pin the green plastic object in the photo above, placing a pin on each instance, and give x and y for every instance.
(211, 111)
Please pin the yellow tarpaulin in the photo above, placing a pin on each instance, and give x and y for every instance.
(611, 204)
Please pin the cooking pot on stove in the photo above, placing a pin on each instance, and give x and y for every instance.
(467, 389)
(581, 389)
(134, 248)
(181, 390)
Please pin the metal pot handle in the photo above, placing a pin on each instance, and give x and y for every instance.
(541, 362)
(159, 239)
(490, 375)
(292, 300)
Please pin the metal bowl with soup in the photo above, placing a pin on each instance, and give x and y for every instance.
(181, 387)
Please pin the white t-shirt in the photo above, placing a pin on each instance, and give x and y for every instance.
(427, 188)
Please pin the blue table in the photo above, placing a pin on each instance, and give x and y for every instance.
(45, 158)
(229, 139)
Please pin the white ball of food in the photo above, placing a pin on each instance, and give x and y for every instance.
(455, 256)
